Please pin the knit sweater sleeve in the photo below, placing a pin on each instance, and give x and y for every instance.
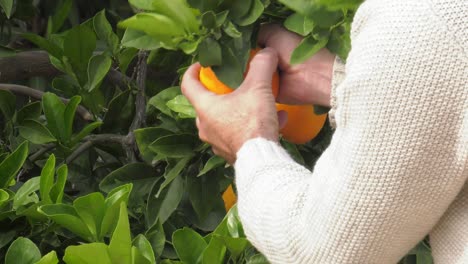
(397, 159)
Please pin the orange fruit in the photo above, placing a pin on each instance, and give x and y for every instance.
(229, 198)
(303, 124)
(211, 82)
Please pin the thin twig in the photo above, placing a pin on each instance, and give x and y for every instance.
(91, 140)
(36, 94)
(41, 152)
(140, 102)
(140, 105)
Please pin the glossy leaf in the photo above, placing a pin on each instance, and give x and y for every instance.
(175, 146)
(212, 163)
(26, 194)
(145, 136)
(144, 247)
(56, 193)
(57, 20)
(112, 202)
(78, 47)
(166, 203)
(209, 53)
(69, 115)
(104, 31)
(30, 111)
(160, 100)
(50, 258)
(35, 132)
(189, 245)
(98, 68)
(173, 173)
(91, 209)
(7, 6)
(87, 254)
(23, 251)
(54, 110)
(139, 40)
(47, 179)
(121, 241)
(12, 164)
(66, 216)
(308, 47)
(86, 131)
(4, 197)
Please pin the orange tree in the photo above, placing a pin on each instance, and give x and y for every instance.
(99, 156)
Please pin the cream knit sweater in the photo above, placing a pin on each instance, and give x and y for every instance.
(396, 167)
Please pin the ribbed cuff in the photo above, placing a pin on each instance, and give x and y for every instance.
(256, 154)
(339, 74)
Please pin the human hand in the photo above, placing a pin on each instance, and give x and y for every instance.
(227, 121)
(305, 83)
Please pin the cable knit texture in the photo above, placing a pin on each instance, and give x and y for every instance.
(397, 162)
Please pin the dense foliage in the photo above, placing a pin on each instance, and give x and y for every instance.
(99, 156)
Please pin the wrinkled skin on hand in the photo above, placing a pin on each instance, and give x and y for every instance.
(305, 83)
(227, 121)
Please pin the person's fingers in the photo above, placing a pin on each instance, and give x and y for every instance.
(261, 69)
(192, 88)
(280, 39)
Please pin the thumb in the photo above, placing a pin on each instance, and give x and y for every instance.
(261, 69)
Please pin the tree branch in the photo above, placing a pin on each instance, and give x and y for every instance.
(27, 64)
(92, 140)
(36, 94)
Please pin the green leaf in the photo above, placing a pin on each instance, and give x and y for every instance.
(60, 16)
(78, 46)
(66, 216)
(234, 224)
(175, 146)
(179, 11)
(91, 209)
(47, 179)
(163, 28)
(12, 164)
(258, 259)
(235, 245)
(204, 195)
(299, 24)
(240, 9)
(56, 193)
(120, 112)
(209, 19)
(231, 30)
(86, 131)
(54, 110)
(160, 100)
(87, 254)
(50, 258)
(255, 11)
(7, 6)
(69, 116)
(172, 173)
(141, 175)
(144, 246)
(209, 53)
(113, 201)
(49, 46)
(7, 104)
(104, 31)
(7, 52)
(157, 238)
(121, 241)
(163, 206)
(125, 57)
(35, 132)
(139, 40)
(212, 163)
(142, 4)
(145, 136)
(4, 197)
(29, 111)
(26, 194)
(308, 47)
(215, 251)
(181, 105)
(98, 68)
(189, 245)
(23, 251)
